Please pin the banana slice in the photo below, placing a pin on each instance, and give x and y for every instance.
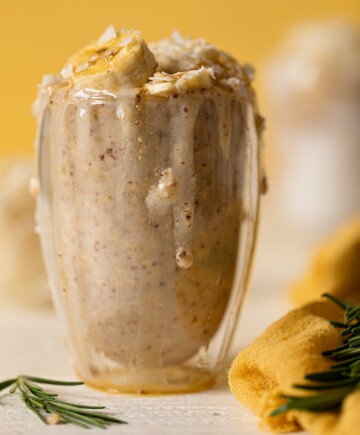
(116, 59)
(165, 84)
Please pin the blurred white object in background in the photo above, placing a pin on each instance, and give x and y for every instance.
(313, 84)
(22, 276)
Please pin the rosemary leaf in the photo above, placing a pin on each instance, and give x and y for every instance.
(35, 410)
(6, 384)
(318, 403)
(51, 410)
(52, 381)
(331, 375)
(80, 406)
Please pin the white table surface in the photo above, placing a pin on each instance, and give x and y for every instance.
(30, 343)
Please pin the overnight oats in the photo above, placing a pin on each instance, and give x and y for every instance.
(149, 186)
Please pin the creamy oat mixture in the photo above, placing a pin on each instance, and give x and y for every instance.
(141, 199)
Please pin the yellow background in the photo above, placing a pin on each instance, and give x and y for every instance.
(37, 36)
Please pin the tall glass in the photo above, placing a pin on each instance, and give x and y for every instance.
(148, 210)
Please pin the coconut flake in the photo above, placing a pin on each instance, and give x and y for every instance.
(108, 35)
(211, 73)
(67, 71)
(50, 79)
(125, 41)
(82, 67)
(94, 58)
(162, 77)
(177, 37)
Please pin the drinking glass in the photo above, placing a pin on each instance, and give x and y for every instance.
(147, 210)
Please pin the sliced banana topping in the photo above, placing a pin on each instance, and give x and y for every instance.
(164, 83)
(116, 59)
(174, 65)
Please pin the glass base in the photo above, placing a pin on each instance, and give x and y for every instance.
(170, 380)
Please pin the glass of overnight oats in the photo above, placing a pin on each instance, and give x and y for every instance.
(150, 177)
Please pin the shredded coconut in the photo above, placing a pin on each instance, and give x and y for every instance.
(108, 35)
(82, 67)
(67, 71)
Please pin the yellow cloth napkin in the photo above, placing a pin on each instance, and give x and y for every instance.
(288, 350)
(334, 268)
(292, 347)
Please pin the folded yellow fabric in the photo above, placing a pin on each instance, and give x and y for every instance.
(288, 350)
(335, 267)
(292, 347)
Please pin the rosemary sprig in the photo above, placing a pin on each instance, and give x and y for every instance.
(51, 410)
(342, 379)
